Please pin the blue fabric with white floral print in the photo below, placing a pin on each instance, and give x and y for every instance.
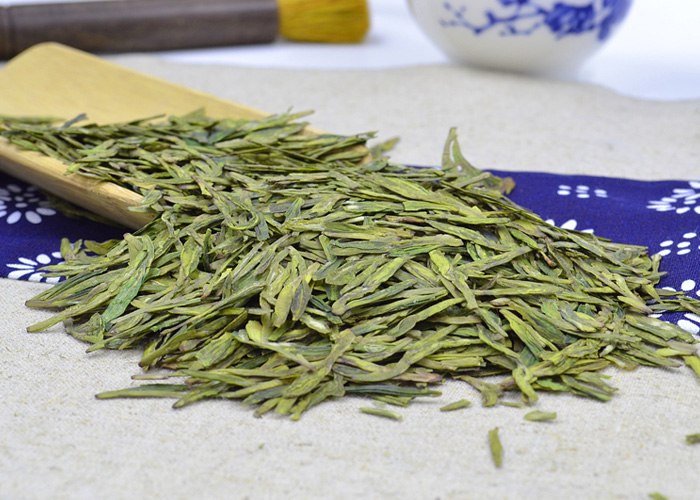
(662, 215)
(523, 17)
(31, 232)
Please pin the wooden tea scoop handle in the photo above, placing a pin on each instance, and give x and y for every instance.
(103, 198)
(138, 25)
(54, 80)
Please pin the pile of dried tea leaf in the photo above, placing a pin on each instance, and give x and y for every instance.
(285, 270)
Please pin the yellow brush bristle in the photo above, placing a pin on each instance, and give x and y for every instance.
(329, 21)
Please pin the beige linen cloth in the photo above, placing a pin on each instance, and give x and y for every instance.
(58, 442)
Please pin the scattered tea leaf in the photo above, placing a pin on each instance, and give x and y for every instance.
(692, 438)
(540, 416)
(496, 447)
(462, 403)
(380, 412)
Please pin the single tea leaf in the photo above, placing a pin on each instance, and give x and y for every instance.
(496, 447)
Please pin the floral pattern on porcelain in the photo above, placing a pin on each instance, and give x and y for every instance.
(523, 17)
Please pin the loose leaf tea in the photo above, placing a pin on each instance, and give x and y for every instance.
(540, 416)
(380, 412)
(285, 269)
(457, 405)
(692, 438)
(496, 447)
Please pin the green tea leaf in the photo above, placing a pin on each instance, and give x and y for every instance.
(540, 416)
(496, 447)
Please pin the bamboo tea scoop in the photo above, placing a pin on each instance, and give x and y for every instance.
(54, 80)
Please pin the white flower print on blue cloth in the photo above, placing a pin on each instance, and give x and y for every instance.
(29, 269)
(581, 191)
(689, 322)
(688, 244)
(682, 200)
(30, 232)
(571, 224)
(619, 210)
(17, 202)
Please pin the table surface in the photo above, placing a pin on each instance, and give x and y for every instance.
(655, 54)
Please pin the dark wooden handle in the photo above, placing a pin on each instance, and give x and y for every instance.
(138, 25)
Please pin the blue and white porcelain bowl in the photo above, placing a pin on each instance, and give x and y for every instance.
(531, 36)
